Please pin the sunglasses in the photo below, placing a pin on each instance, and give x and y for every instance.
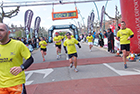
(67, 35)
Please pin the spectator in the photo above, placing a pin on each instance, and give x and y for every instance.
(110, 37)
(101, 41)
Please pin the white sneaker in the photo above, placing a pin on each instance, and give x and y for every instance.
(57, 57)
(90, 50)
(75, 70)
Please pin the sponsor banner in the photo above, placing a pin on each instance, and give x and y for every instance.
(92, 16)
(37, 25)
(102, 15)
(88, 24)
(28, 20)
(79, 26)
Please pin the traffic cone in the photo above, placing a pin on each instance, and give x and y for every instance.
(118, 53)
(132, 58)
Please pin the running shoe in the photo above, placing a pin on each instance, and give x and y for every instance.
(71, 65)
(57, 57)
(43, 59)
(75, 70)
(125, 66)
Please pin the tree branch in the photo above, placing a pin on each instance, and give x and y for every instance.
(109, 16)
(12, 13)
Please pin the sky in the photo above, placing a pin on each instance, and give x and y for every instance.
(44, 12)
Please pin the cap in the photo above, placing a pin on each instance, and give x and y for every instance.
(56, 33)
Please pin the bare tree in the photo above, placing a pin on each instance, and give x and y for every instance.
(117, 17)
(8, 14)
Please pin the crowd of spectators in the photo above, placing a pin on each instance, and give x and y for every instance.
(99, 38)
(31, 43)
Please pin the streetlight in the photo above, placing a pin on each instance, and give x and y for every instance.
(82, 19)
(74, 21)
(98, 12)
(104, 15)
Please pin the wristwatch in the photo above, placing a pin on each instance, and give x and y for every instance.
(22, 67)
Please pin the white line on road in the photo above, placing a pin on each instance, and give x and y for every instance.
(42, 71)
(121, 72)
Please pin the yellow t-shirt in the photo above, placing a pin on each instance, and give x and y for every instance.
(12, 54)
(70, 43)
(57, 39)
(72, 36)
(62, 37)
(42, 42)
(89, 38)
(124, 34)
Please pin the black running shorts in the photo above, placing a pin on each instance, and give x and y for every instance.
(43, 49)
(71, 55)
(125, 47)
(59, 46)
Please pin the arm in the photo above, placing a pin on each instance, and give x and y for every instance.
(118, 38)
(79, 45)
(130, 37)
(59, 40)
(16, 70)
(28, 62)
(44, 44)
(65, 49)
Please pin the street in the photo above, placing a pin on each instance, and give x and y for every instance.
(95, 64)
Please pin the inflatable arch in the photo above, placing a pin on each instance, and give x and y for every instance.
(71, 26)
(130, 10)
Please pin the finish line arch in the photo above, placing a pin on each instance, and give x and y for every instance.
(71, 26)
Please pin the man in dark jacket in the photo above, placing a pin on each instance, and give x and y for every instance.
(110, 36)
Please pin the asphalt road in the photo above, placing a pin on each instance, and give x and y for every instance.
(65, 73)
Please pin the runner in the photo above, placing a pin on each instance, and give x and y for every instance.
(72, 53)
(57, 40)
(125, 34)
(43, 48)
(12, 76)
(71, 36)
(90, 39)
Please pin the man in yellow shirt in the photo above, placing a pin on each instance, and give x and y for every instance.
(57, 40)
(71, 36)
(43, 48)
(71, 49)
(90, 39)
(12, 52)
(125, 34)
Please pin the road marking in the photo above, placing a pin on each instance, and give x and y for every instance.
(42, 71)
(122, 72)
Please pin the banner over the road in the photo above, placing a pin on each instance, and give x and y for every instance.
(64, 15)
